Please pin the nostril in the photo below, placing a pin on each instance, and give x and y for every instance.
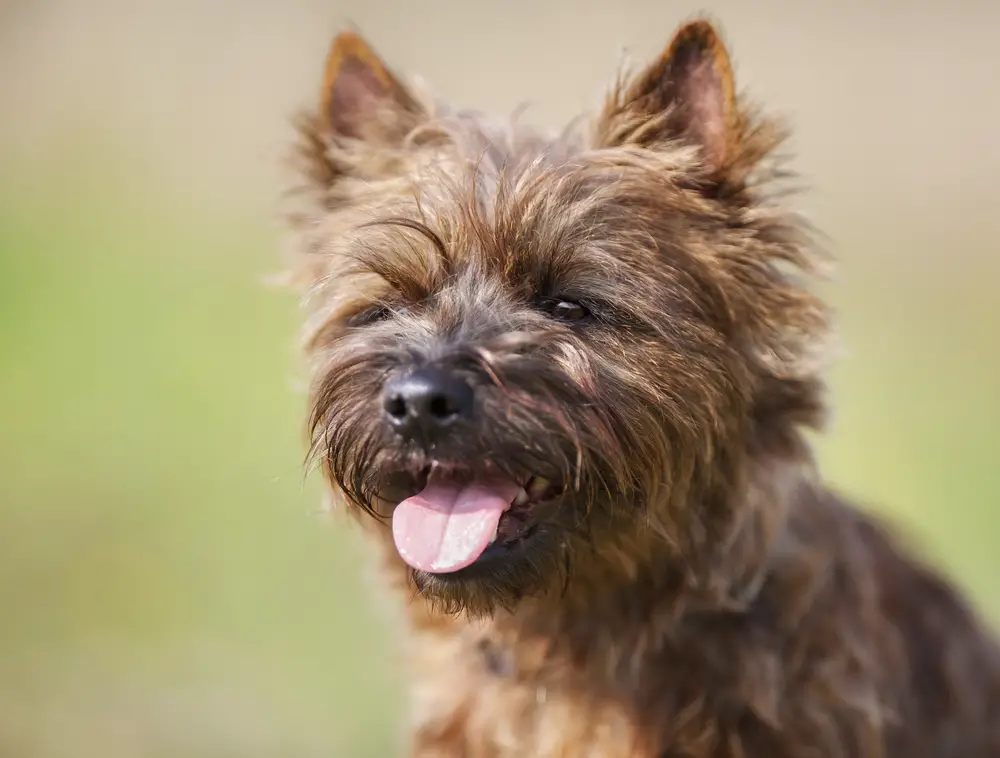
(395, 406)
(443, 407)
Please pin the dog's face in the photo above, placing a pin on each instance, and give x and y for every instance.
(530, 349)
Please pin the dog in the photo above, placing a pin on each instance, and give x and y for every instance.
(565, 381)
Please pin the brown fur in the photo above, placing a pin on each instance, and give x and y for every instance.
(695, 591)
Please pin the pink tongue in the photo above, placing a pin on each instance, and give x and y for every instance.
(448, 525)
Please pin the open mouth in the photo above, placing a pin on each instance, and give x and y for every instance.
(454, 521)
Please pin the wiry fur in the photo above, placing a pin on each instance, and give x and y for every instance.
(696, 591)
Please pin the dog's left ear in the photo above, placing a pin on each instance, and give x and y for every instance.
(361, 97)
(687, 93)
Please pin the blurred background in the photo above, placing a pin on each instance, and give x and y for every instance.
(167, 587)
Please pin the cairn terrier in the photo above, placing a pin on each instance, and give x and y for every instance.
(565, 381)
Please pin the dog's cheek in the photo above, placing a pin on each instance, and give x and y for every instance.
(576, 363)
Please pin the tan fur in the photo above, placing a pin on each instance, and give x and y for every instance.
(696, 590)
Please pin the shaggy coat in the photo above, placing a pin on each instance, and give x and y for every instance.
(631, 305)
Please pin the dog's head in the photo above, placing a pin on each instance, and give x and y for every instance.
(535, 352)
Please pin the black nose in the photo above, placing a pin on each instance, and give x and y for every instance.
(427, 401)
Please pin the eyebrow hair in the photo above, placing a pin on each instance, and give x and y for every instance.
(419, 227)
(397, 259)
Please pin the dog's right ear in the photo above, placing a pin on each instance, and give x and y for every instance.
(687, 93)
(361, 97)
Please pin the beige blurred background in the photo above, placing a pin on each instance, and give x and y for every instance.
(166, 586)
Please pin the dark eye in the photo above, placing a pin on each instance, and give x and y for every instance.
(369, 316)
(566, 310)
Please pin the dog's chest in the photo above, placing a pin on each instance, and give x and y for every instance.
(472, 701)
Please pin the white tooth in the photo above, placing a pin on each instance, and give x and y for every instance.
(537, 486)
(495, 533)
(521, 497)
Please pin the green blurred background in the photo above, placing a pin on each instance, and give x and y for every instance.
(167, 587)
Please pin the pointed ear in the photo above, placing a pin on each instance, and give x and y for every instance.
(360, 93)
(686, 93)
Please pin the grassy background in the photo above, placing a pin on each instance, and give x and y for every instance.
(166, 586)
